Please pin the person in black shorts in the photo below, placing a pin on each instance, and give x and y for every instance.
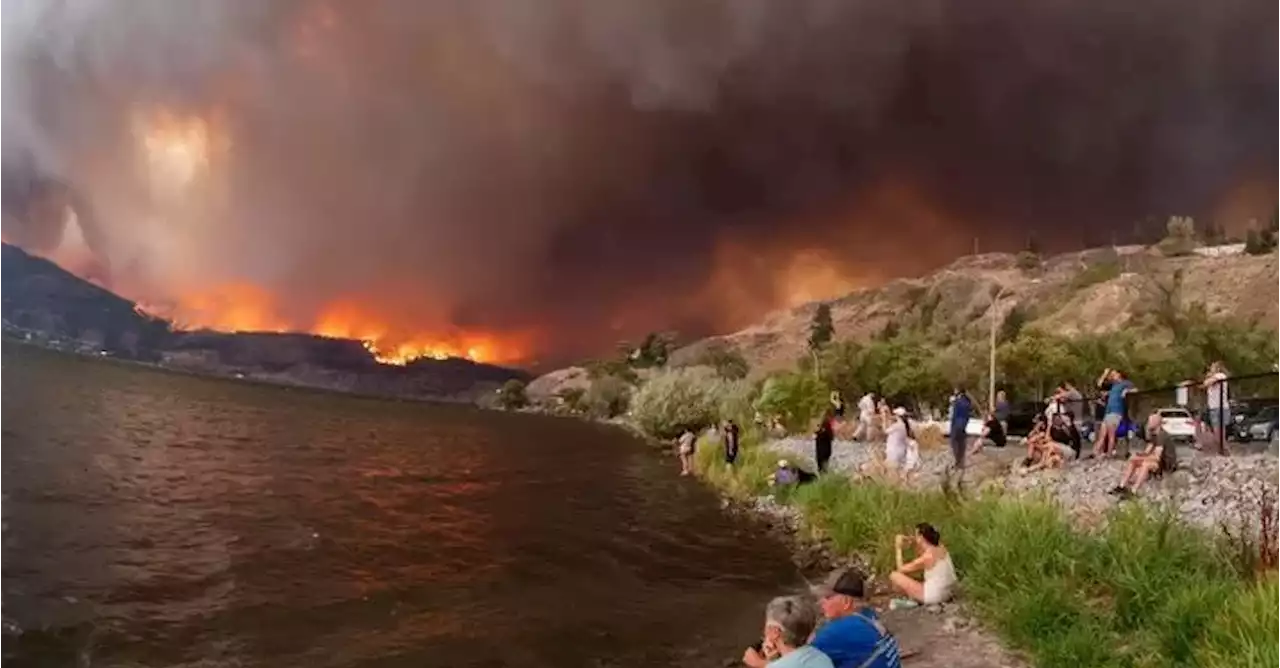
(992, 432)
(732, 439)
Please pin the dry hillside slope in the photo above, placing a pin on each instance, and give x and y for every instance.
(1086, 292)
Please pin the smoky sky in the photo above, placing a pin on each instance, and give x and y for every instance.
(592, 169)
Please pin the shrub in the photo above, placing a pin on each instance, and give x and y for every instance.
(675, 399)
(1027, 261)
(607, 397)
(571, 398)
(796, 398)
(1094, 274)
(727, 362)
(511, 396)
(736, 401)
(1253, 243)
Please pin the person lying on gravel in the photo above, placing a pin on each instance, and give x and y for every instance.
(933, 558)
(852, 636)
(788, 625)
(1155, 460)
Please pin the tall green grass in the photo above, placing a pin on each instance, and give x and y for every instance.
(1147, 590)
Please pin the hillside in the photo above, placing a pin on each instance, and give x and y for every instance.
(47, 305)
(43, 301)
(1094, 291)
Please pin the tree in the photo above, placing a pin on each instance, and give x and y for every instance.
(673, 400)
(653, 351)
(512, 396)
(795, 398)
(821, 331)
(728, 363)
(1012, 324)
(1181, 237)
(1253, 244)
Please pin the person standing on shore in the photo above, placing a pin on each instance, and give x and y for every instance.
(1216, 401)
(961, 410)
(823, 437)
(730, 435)
(684, 446)
(866, 413)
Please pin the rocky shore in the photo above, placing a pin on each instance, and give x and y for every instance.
(1207, 490)
(937, 636)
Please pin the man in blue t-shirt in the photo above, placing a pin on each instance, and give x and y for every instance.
(852, 636)
(961, 410)
(1116, 386)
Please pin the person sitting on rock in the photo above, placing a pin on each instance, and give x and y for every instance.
(1155, 460)
(1035, 439)
(993, 433)
(852, 637)
(933, 558)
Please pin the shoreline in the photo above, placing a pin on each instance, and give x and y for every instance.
(1045, 615)
(248, 379)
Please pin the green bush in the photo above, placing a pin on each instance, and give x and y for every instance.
(1244, 631)
(727, 362)
(796, 398)
(675, 399)
(1027, 261)
(607, 397)
(511, 396)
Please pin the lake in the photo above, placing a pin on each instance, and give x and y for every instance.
(159, 519)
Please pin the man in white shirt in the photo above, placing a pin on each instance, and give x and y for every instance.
(866, 413)
(1217, 401)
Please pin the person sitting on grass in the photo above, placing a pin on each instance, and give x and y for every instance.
(1155, 460)
(788, 624)
(931, 557)
(786, 474)
(852, 636)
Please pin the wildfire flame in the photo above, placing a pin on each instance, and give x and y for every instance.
(242, 307)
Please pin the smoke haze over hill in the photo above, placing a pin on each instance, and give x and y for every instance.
(539, 179)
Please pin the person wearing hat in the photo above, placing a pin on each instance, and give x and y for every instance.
(852, 637)
(897, 439)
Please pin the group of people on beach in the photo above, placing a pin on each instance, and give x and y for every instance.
(836, 627)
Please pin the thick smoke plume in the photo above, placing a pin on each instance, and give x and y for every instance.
(562, 173)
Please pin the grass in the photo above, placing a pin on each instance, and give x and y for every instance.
(1146, 590)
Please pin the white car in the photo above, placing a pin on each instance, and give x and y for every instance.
(1177, 424)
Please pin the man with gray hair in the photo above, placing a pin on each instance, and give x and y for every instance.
(788, 623)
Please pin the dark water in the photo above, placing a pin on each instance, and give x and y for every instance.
(153, 519)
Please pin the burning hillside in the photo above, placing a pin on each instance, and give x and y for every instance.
(481, 179)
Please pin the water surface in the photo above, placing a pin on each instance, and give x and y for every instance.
(157, 519)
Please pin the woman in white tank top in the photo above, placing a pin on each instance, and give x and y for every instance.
(933, 559)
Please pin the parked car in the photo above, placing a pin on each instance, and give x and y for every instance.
(1260, 427)
(1176, 424)
(1244, 411)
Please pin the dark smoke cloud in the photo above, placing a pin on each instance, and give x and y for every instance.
(595, 168)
